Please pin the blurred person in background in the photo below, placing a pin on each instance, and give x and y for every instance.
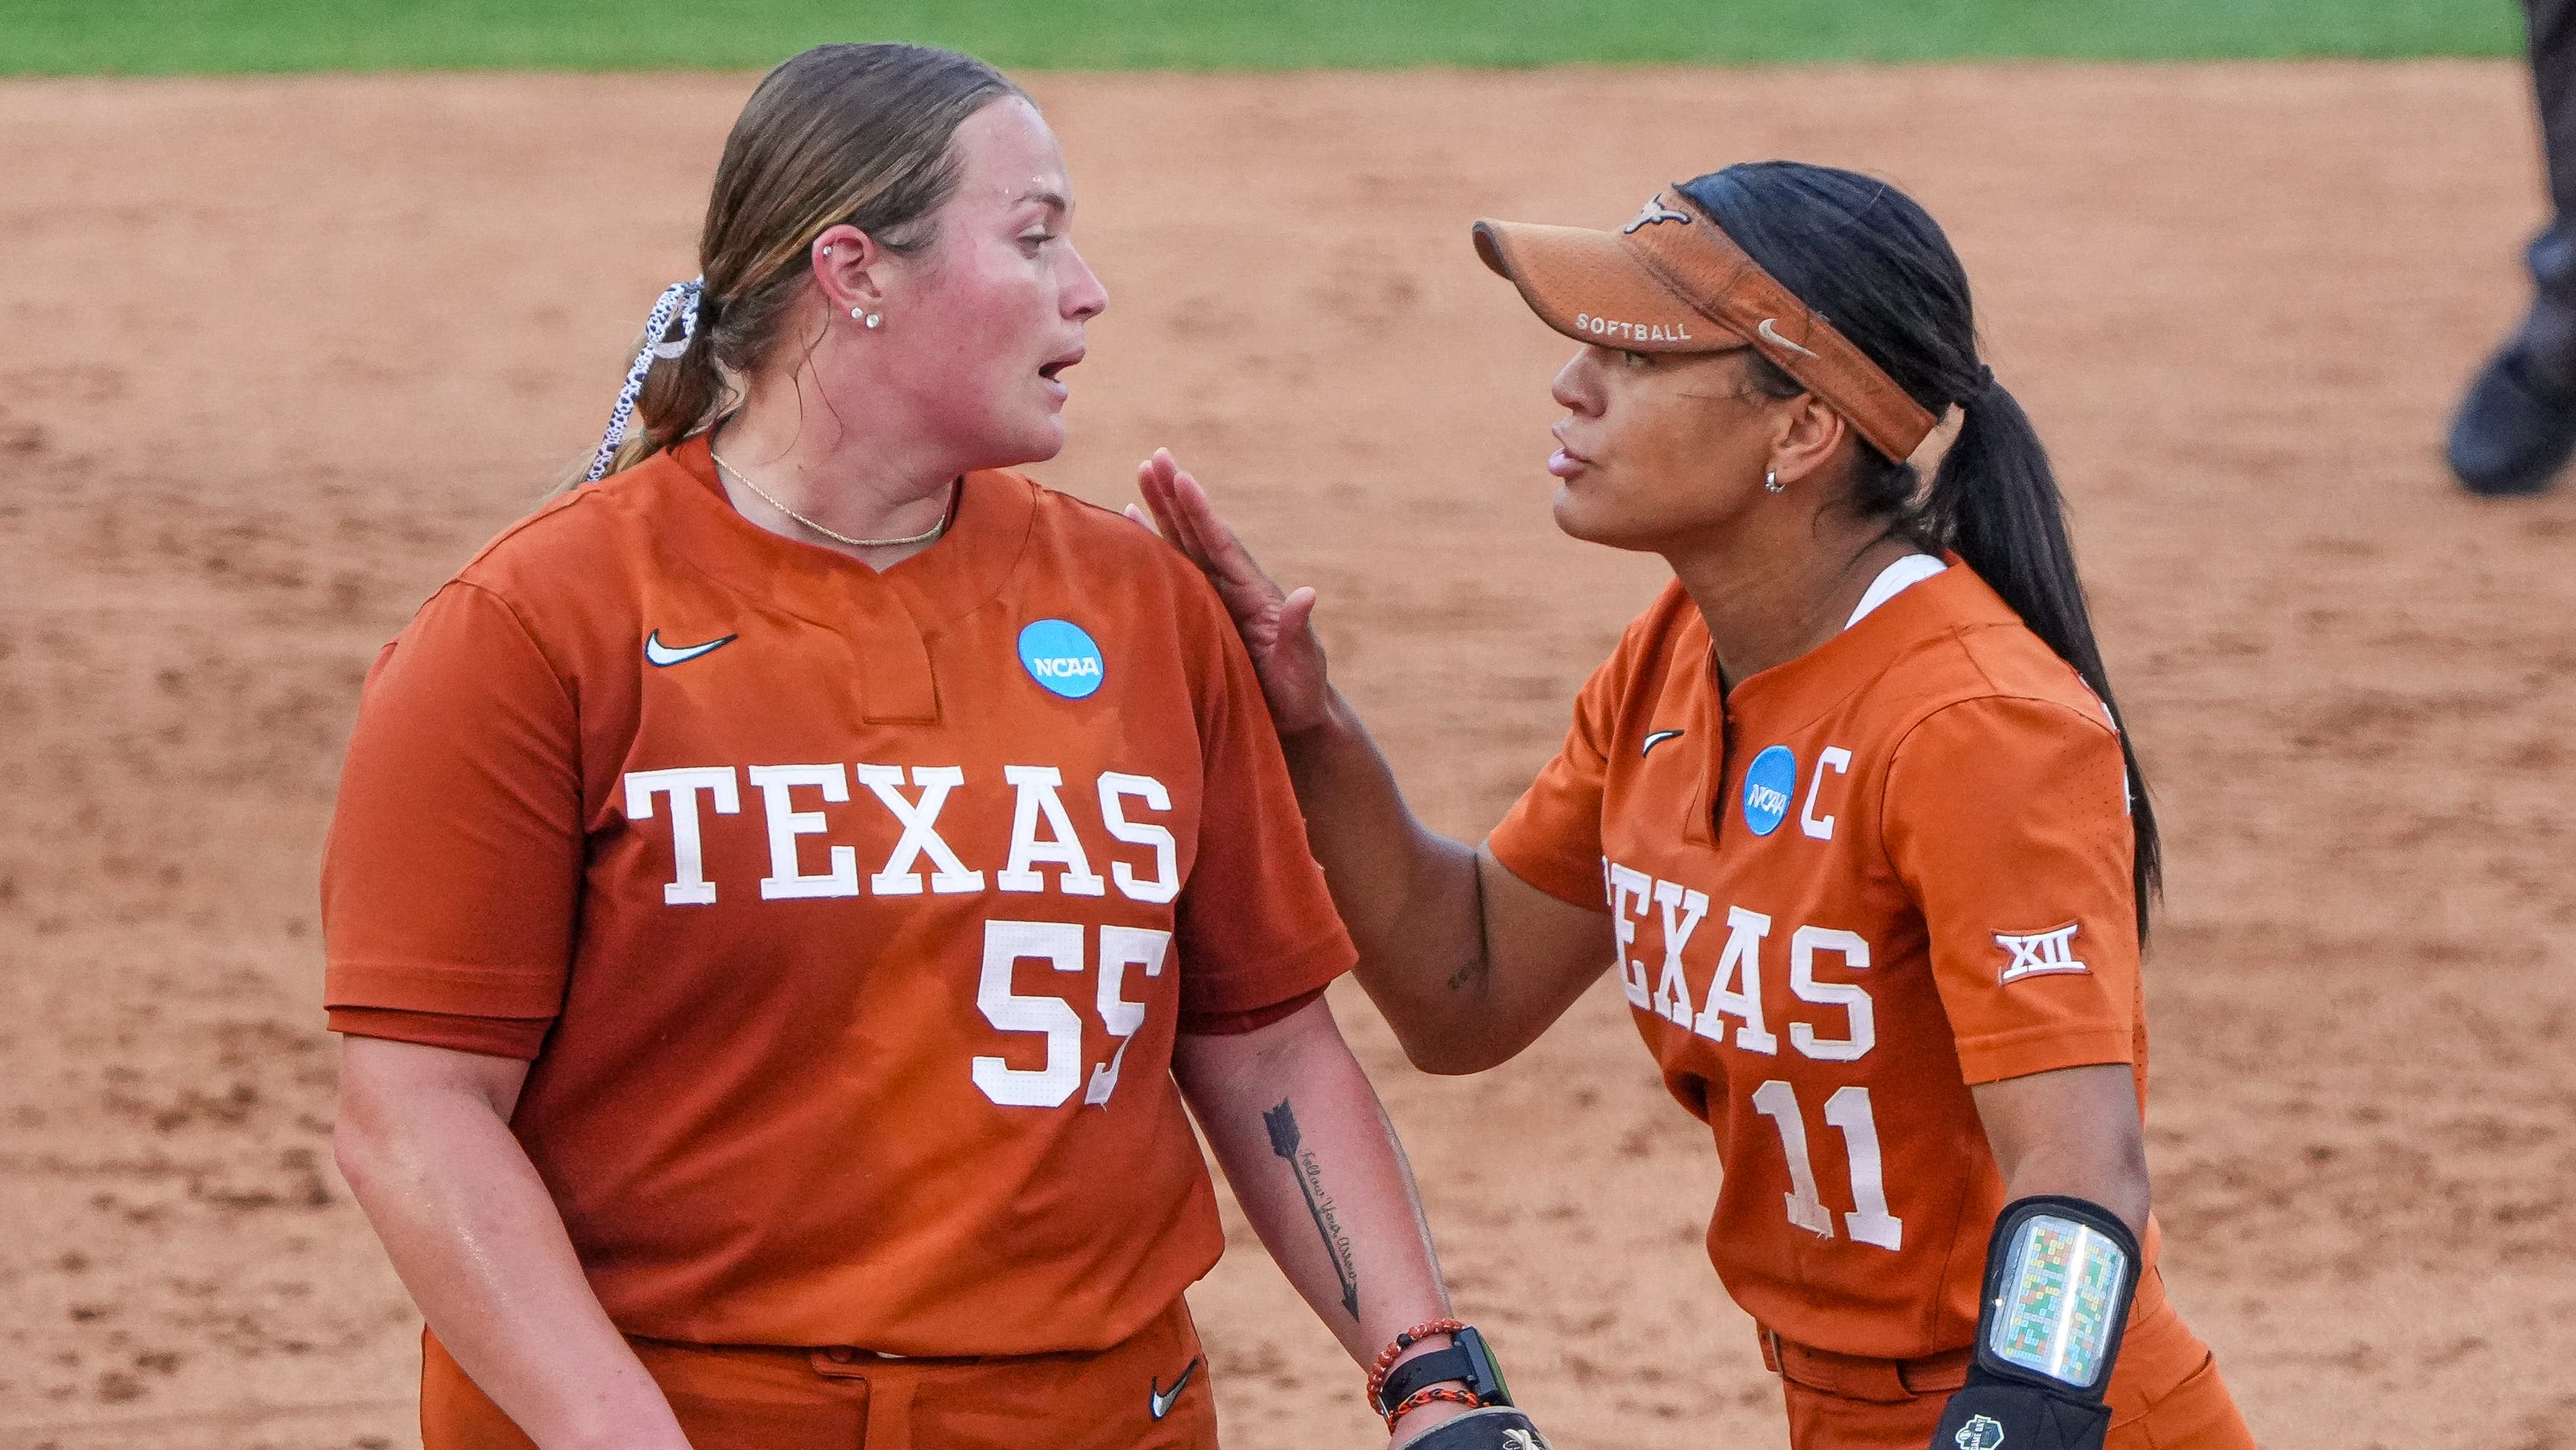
(1849, 812)
(784, 893)
(2516, 425)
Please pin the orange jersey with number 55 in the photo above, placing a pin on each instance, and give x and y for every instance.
(848, 917)
(1870, 877)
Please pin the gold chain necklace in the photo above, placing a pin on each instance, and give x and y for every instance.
(924, 537)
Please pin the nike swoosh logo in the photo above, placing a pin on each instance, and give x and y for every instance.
(1163, 1399)
(1772, 335)
(1658, 738)
(663, 655)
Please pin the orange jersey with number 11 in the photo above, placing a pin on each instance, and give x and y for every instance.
(1888, 869)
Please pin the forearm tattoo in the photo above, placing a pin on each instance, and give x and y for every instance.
(1474, 970)
(1286, 1142)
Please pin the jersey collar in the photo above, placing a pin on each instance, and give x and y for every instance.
(955, 576)
(1788, 695)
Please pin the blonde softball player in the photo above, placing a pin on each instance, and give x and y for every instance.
(785, 892)
(1849, 811)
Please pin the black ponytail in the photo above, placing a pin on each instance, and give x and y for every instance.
(1876, 266)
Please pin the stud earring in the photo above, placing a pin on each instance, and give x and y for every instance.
(1771, 483)
(827, 251)
(875, 319)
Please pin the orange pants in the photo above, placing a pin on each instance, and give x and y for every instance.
(2165, 1392)
(761, 1398)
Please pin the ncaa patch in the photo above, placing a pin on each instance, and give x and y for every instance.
(1061, 658)
(1768, 784)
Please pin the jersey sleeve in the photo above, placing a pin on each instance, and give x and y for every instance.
(1255, 926)
(2008, 820)
(491, 1036)
(1551, 838)
(452, 876)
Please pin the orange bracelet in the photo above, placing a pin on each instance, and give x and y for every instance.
(1430, 1394)
(1386, 1357)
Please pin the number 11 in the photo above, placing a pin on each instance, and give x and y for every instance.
(1848, 1109)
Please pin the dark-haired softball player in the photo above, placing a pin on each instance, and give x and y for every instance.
(1849, 811)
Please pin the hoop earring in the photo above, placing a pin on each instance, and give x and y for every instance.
(1771, 483)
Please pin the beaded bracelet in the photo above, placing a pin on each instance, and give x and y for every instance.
(1430, 1394)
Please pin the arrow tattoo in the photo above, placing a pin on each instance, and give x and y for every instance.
(1286, 1141)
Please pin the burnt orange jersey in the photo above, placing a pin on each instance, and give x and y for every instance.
(847, 916)
(1869, 877)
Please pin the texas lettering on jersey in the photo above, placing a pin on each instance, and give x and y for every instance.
(1843, 892)
(1042, 832)
(1731, 1014)
(864, 936)
(1043, 836)
(1735, 987)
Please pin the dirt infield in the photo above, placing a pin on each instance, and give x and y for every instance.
(281, 354)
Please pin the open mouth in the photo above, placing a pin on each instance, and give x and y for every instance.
(1052, 371)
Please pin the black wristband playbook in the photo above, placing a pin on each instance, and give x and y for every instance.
(1467, 1360)
(2060, 1276)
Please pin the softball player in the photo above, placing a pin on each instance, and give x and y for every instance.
(1849, 809)
(784, 892)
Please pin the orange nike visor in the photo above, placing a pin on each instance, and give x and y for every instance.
(1672, 280)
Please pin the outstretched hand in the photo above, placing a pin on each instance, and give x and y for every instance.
(1277, 626)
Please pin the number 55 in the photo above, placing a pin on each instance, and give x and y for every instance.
(1059, 944)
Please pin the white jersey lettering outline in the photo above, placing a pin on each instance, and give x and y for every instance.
(1852, 997)
(1166, 882)
(949, 875)
(1629, 884)
(1672, 990)
(1036, 787)
(787, 880)
(1741, 960)
(1837, 760)
(1122, 947)
(688, 885)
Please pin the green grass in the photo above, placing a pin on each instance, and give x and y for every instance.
(153, 37)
